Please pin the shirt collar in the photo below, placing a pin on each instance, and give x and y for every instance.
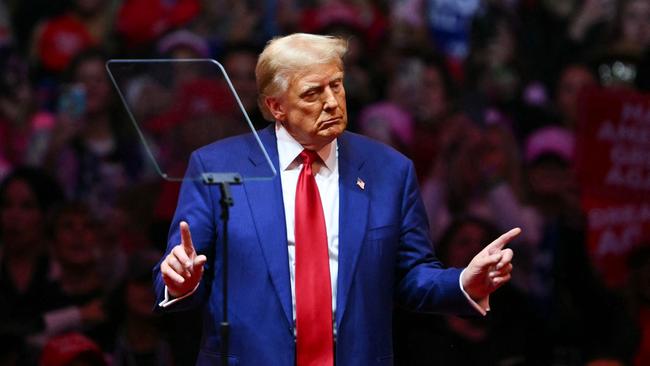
(289, 149)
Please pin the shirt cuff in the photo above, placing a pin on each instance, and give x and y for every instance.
(482, 306)
(168, 301)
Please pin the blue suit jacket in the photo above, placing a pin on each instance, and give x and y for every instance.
(385, 255)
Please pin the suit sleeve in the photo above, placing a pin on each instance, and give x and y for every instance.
(423, 283)
(196, 207)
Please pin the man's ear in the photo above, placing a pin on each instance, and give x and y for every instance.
(275, 108)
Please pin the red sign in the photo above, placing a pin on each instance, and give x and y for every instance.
(613, 167)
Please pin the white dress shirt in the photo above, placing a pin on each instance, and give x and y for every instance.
(326, 174)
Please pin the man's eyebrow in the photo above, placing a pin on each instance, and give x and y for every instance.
(337, 77)
(309, 87)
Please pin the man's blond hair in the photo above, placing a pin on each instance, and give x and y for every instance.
(284, 57)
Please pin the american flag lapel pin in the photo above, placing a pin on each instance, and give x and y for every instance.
(361, 183)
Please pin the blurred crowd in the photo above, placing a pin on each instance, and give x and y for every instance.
(483, 96)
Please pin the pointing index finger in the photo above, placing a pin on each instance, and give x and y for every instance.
(504, 239)
(186, 238)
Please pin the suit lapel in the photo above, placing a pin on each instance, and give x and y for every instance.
(267, 209)
(353, 216)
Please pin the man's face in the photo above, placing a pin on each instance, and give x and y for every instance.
(313, 108)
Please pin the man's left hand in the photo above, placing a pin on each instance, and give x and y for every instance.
(490, 268)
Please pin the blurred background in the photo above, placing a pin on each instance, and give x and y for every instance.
(526, 113)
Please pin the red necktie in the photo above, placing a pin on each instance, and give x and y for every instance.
(314, 344)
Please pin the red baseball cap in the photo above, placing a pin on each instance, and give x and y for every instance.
(63, 349)
(61, 40)
(143, 21)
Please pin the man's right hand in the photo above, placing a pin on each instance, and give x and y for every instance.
(182, 269)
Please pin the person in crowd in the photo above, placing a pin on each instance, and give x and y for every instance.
(204, 107)
(183, 44)
(58, 40)
(26, 197)
(140, 340)
(391, 120)
(436, 106)
(388, 123)
(574, 79)
(78, 295)
(419, 102)
(476, 172)
(24, 125)
(505, 337)
(92, 150)
(562, 287)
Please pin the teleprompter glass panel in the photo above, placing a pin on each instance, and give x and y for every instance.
(179, 105)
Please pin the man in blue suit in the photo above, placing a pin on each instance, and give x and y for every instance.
(321, 253)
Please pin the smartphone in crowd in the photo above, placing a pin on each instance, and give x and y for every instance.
(72, 102)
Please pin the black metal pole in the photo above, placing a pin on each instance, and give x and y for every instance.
(226, 201)
(224, 180)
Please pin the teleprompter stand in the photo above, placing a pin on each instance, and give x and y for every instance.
(224, 181)
(169, 135)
